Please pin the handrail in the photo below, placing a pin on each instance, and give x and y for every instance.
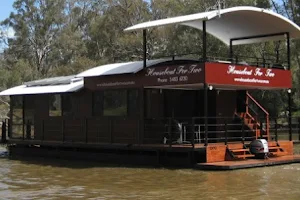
(252, 110)
(234, 60)
(261, 108)
(251, 117)
(252, 99)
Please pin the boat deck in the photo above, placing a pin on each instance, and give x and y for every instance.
(174, 147)
(249, 163)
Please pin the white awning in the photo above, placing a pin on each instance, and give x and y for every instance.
(230, 23)
(23, 89)
(123, 68)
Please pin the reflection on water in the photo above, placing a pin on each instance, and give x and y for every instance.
(58, 179)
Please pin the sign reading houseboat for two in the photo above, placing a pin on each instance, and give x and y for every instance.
(224, 74)
(174, 75)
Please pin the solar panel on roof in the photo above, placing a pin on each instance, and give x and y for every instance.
(61, 80)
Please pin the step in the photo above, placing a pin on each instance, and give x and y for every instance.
(251, 126)
(232, 146)
(265, 136)
(272, 143)
(244, 156)
(273, 147)
(239, 150)
(278, 153)
(249, 121)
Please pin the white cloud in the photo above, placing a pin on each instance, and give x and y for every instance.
(5, 34)
(10, 32)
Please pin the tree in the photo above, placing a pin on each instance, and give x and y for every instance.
(37, 24)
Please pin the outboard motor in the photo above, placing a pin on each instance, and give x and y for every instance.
(176, 132)
(259, 148)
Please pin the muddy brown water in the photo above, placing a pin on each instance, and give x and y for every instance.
(62, 179)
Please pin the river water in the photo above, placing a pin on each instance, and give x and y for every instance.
(61, 179)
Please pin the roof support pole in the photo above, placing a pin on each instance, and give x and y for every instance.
(259, 36)
(206, 113)
(288, 50)
(231, 51)
(142, 100)
(205, 86)
(144, 47)
(204, 56)
(289, 90)
(23, 115)
(290, 114)
(10, 120)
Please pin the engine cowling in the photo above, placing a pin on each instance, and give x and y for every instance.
(259, 147)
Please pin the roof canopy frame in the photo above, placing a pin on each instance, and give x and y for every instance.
(287, 37)
(234, 22)
(232, 26)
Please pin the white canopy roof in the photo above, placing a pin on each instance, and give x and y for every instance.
(122, 68)
(232, 23)
(43, 89)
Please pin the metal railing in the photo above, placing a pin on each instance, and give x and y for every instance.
(192, 130)
(236, 59)
(230, 129)
(256, 111)
(168, 131)
(249, 61)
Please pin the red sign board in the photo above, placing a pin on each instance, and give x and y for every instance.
(247, 76)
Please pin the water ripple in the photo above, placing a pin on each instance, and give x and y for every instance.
(57, 179)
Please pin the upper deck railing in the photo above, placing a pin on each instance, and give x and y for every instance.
(236, 59)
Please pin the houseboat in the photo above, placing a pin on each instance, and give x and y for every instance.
(175, 110)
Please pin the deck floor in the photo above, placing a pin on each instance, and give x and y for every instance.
(249, 163)
(174, 147)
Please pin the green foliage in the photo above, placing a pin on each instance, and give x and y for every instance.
(78, 65)
(263, 3)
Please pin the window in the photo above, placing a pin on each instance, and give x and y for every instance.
(55, 105)
(133, 102)
(98, 103)
(17, 116)
(60, 105)
(29, 102)
(115, 103)
(29, 109)
(67, 105)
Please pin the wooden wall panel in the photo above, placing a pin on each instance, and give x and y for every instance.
(82, 102)
(155, 131)
(98, 130)
(53, 129)
(125, 131)
(73, 130)
(226, 103)
(225, 108)
(288, 147)
(154, 104)
(215, 153)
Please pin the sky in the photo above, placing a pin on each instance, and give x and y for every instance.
(5, 8)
